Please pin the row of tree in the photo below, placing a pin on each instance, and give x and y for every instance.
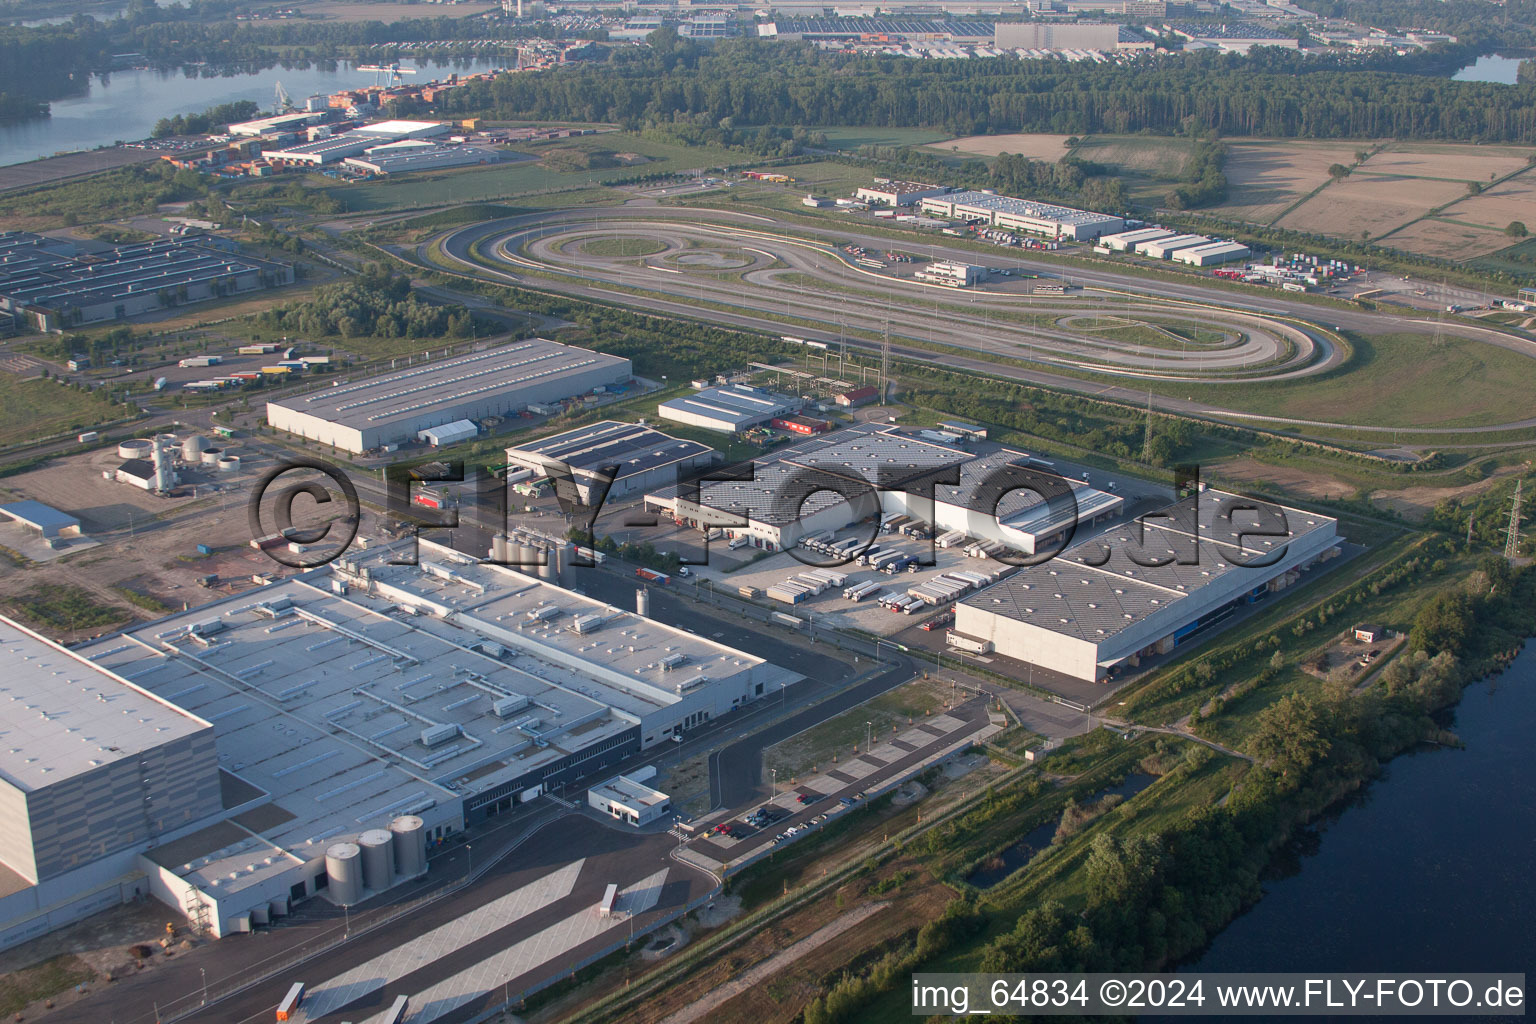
(1271, 92)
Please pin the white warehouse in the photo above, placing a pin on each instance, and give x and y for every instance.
(1086, 615)
(367, 414)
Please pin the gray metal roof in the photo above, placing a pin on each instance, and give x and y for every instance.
(739, 405)
(1096, 589)
(415, 392)
(35, 513)
(633, 447)
(62, 716)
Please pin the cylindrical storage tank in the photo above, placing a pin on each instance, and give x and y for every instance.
(410, 834)
(138, 448)
(546, 566)
(525, 557)
(211, 456)
(501, 549)
(193, 447)
(643, 603)
(378, 858)
(166, 438)
(343, 866)
(229, 464)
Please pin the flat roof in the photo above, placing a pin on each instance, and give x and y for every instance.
(398, 127)
(1086, 595)
(1024, 510)
(406, 394)
(1021, 207)
(35, 513)
(61, 715)
(633, 447)
(625, 790)
(737, 405)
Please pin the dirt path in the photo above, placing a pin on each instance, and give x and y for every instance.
(767, 968)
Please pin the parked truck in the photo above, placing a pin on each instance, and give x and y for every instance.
(653, 575)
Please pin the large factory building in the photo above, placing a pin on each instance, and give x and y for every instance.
(395, 407)
(313, 737)
(1135, 592)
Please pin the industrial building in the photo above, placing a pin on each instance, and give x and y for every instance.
(1234, 37)
(952, 275)
(1045, 35)
(330, 149)
(47, 521)
(387, 160)
(898, 193)
(1124, 241)
(838, 479)
(1213, 254)
(729, 410)
(51, 286)
(276, 125)
(93, 771)
(393, 407)
(1162, 248)
(1023, 215)
(1110, 601)
(245, 755)
(643, 458)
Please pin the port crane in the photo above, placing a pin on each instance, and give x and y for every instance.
(392, 72)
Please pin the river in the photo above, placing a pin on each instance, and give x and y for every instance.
(126, 104)
(1428, 870)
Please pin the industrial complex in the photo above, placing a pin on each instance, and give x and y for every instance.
(638, 458)
(842, 478)
(242, 756)
(361, 416)
(1130, 593)
(48, 283)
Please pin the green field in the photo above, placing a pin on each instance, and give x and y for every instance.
(1395, 380)
(621, 247)
(530, 177)
(36, 408)
(853, 138)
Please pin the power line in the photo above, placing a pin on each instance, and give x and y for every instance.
(1512, 542)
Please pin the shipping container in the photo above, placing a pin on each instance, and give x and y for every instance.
(290, 1004)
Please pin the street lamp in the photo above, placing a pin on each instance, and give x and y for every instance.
(204, 973)
(869, 736)
(775, 772)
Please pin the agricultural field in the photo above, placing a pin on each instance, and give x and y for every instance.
(1050, 148)
(1446, 238)
(1494, 208)
(37, 408)
(1370, 203)
(1265, 176)
(1447, 161)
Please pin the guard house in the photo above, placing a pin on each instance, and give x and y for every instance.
(629, 799)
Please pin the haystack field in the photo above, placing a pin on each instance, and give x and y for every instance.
(1050, 148)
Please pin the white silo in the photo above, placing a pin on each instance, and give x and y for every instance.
(410, 834)
(643, 602)
(193, 447)
(378, 858)
(344, 869)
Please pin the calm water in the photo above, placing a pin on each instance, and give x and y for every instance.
(1430, 870)
(126, 104)
(1489, 68)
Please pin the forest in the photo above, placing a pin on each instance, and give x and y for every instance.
(1272, 93)
(375, 303)
(211, 120)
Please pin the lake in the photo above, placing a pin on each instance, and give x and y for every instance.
(1490, 67)
(1428, 870)
(126, 104)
